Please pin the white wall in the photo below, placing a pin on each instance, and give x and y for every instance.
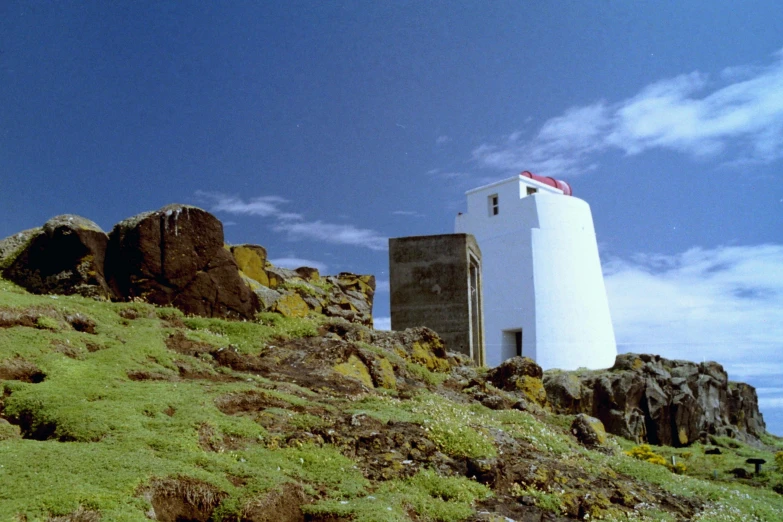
(542, 274)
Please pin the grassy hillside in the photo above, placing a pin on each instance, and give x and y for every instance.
(125, 412)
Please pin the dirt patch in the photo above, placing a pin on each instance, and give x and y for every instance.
(251, 401)
(81, 323)
(146, 375)
(67, 349)
(33, 317)
(10, 317)
(283, 504)
(93, 347)
(211, 440)
(185, 372)
(182, 499)
(181, 344)
(385, 450)
(19, 369)
(308, 362)
(134, 313)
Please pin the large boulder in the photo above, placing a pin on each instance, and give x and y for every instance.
(520, 374)
(175, 256)
(65, 256)
(651, 399)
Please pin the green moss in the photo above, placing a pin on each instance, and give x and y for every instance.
(428, 495)
(248, 336)
(355, 368)
(47, 323)
(303, 287)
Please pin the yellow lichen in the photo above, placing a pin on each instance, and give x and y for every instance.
(251, 262)
(532, 388)
(385, 375)
(354, 367)
(423, 354)
(682, 435)
(292, 305)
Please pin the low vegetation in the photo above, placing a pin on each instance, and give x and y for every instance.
(125, 411)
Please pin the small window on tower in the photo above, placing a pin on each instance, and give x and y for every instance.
(531, 190)
(494, 209)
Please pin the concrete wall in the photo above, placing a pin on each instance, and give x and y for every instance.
(431, 285)
(542, 275)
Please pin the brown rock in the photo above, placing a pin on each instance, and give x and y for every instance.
(65, 256)
(651, 399)
(511, 370)
(588, 430)
(175, 257)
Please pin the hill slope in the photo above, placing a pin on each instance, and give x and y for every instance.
(131, 412)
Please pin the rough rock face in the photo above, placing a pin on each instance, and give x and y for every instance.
(65, 256)
(588, 430)
(520, 374)
(651, 399)
(295, 293)
(175, 256)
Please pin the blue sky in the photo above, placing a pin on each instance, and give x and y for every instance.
(320, 129)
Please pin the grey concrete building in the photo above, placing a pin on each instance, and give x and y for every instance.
(435, 281)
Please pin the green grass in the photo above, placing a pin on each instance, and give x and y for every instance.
(433, 497)
(109, 435)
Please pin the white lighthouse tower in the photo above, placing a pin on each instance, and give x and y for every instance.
(544, 294)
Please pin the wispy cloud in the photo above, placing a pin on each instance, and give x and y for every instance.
(340, 234)
(293, 224)
(442, 139)
(408, 213)
(381, 285)
(296, 262)
(723, 304)
(263, 206)
(738, 117)
(382, 323)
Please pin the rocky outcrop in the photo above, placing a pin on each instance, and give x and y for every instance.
(295, 293)
(175, 257)
(520, 374)
(647, 398)
(65, 256)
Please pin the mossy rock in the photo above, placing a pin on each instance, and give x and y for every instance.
(355, 368)
(532, 388)
(291, 305)
(383, 373)
(424, 353)
(252, 261)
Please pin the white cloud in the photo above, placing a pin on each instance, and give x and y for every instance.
(442, 139)
(295, 262)
(409, 213)
(738, 118)
(382, 285)
(382, 323)
(292, 223)
(264, 206)
(340, 234)
(723, 304)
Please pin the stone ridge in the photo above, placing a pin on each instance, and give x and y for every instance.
(175, 256)
(648, 398)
